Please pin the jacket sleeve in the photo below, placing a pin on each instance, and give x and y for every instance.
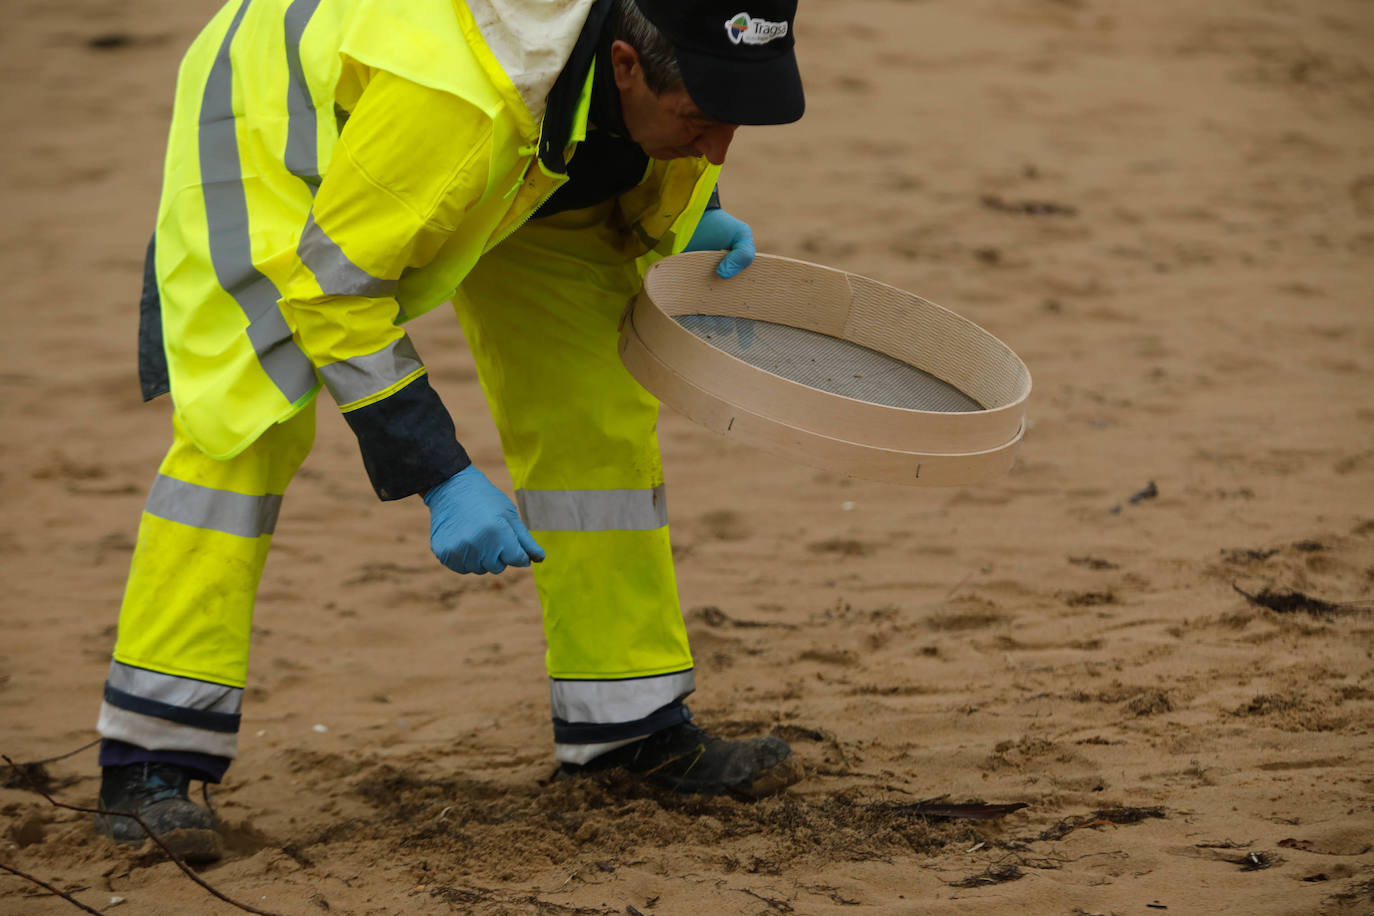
(408, 163)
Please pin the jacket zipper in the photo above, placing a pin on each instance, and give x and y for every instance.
(532, 163)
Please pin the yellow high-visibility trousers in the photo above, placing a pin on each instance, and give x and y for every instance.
(541, 313)
(181, 657)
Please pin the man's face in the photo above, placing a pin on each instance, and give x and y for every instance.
(667, 126)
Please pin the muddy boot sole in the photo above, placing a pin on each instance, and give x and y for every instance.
(774, 779)
(766, 782)
(197, 845)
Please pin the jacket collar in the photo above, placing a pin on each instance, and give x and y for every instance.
(567, 98)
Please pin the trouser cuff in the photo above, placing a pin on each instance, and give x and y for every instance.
(206, 767)
(591, 717)
(165, 712)
(565, 732)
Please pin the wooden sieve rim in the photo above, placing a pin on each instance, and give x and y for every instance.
(807, 446)
(844, 306)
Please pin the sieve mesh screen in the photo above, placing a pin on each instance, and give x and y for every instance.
(828, 363)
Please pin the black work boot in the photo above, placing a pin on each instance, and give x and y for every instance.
(156, 792)
(686, 759)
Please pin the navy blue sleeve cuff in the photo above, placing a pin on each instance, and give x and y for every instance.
(408, 441)
(714, 202)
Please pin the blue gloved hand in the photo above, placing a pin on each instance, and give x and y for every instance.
(719, 230)
(475, 528)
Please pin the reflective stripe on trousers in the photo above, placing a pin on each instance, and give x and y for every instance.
(591, 717)
(181, 659)
(593, 510)
(243, 514)
(167, 712)
(540, 312)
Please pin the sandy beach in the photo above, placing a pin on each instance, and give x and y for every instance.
(1156, 633)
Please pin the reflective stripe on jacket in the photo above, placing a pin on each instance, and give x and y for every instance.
(335, 168)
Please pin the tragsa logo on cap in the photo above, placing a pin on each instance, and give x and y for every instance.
(742, 27)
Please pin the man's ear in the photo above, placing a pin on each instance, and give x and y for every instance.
(625, 64)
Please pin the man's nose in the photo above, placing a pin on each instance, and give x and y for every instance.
(714, 142)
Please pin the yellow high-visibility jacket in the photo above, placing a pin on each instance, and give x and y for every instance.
(334, 169)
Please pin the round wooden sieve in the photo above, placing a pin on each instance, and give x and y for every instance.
(828, 368)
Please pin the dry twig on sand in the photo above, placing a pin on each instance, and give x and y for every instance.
(32, 773)
(186, 869)
(48, 887)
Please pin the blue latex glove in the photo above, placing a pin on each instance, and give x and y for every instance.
(475, 528)
(719, 230)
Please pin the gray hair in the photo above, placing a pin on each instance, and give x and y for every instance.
(657, 56)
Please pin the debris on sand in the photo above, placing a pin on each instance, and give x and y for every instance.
(1150, 702)
(1239, 556)
(30, 776)
(1150, 491)
(1091, 562)
(993, 874)
(1118, 816)
(1255, 861)
(110, 41)
(1291, 602)
(1267, 703)
(119, 41)
(1028, 207)
(713, 616)
(939, 808)
(1090, 599)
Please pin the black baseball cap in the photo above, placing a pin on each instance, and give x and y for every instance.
(736, 56)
